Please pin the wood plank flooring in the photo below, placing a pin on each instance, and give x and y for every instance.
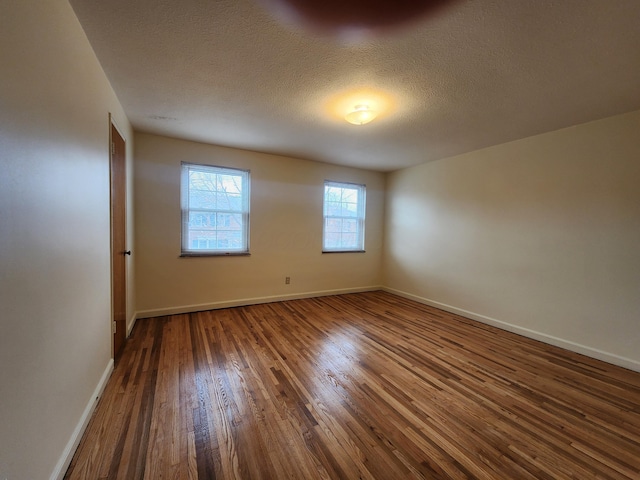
(360, 386)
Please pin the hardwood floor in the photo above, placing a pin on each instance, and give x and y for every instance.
(369, 386)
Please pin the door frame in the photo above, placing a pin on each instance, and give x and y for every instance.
(118, 317)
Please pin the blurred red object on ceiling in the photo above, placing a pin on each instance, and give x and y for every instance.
(347, 16)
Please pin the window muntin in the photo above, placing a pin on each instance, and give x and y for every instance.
(215, 210)
(344, 212)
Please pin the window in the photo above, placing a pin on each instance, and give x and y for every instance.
(215, 210)
(344, 208)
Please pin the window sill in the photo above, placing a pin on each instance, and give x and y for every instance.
(215, 254)
(343, 251)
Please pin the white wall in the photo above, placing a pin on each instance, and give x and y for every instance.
(541, 236)
(55, 341)
(286, 231)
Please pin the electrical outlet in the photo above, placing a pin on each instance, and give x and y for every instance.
(287, 280)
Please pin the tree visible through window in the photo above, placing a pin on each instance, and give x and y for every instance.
(215, 210)
(344, 211)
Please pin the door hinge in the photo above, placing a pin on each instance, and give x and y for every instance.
(113, 148)
(114, 327)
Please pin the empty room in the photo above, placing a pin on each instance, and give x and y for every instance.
(267, 239)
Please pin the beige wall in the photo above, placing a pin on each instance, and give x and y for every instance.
(55, 340)
(541, 236)
(286, 231)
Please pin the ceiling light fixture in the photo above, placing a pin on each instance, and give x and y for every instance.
(360, 115)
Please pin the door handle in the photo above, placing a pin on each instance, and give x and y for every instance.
(127, 252)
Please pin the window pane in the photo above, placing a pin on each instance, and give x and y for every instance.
(349, 240)
(333, 225)
(235, 239)
(350, 209)
(333, 194)
(350, 195)
(201, 199)
(332, 208)
(223, 219)
(349, 225)
(222, 201)
(332, 240)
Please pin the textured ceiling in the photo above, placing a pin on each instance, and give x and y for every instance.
(479, 73)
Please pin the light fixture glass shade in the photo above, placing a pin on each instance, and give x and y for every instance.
(360, 115)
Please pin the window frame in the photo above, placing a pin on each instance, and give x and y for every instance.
(360, 217)
(186, 249)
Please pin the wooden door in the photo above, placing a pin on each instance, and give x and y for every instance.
(118, 241)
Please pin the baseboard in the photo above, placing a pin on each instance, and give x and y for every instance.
(542, 337)
(70, 449)
(249, 301)
(131, 323)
